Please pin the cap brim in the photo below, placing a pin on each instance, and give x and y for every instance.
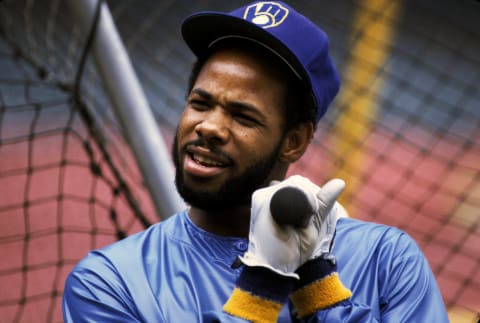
(203, 29)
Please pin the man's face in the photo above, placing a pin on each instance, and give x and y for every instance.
(230, 135)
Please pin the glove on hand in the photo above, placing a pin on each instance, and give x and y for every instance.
(284, 248)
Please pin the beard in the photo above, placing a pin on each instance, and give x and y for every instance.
(236, 191)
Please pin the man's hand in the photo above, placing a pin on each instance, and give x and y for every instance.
(284, 248)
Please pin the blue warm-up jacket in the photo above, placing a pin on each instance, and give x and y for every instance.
(177, 272)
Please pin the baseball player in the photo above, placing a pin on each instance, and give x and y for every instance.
(262, 81)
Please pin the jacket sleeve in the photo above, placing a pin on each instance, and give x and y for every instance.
(93, 296)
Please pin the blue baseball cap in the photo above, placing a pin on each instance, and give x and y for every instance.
(301, 44)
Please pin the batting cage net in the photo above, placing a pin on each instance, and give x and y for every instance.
(404, 134)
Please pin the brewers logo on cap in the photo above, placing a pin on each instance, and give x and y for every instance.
(266, 14)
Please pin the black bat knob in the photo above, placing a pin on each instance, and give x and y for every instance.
(290, 206)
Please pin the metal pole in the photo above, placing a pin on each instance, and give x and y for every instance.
(131, 107)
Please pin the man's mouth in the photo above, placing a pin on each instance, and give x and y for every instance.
(206, 161)
(202, 162)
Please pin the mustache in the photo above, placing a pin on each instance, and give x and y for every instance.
(212, 147)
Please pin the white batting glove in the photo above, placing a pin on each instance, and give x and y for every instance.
(284, 248)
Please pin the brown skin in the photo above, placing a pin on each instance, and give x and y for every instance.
(237, 101)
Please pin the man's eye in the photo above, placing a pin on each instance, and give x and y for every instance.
(246, 120)
(199, 105)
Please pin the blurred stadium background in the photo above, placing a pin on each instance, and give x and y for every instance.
(404, 133)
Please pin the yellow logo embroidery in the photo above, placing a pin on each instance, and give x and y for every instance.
(266, 14)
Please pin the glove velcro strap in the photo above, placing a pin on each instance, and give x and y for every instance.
(259, 295)
(319, 287)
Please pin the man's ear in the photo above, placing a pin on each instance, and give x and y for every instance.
(296, 141)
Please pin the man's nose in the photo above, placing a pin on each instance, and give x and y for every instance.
(215, 126)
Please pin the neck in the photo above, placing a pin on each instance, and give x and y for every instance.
(234, 222)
